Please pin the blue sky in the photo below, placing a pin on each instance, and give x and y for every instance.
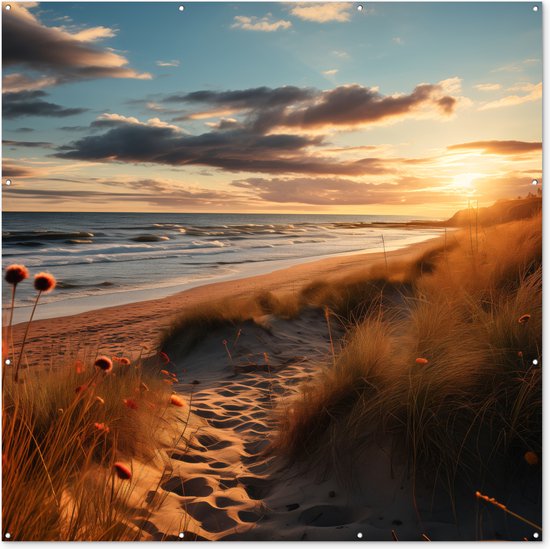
(425, 77)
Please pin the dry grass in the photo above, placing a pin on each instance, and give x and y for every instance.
(473, 403)
(63, 431)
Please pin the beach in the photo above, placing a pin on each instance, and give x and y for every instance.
(135, 328)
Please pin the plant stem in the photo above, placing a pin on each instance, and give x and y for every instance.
(25, 337)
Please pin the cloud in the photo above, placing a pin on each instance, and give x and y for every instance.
(518, 66)
(173, 63)
(534, 94)
(338, 192)
(262, 24)
(398, 40)
(11, 170)
(354, 105)
(240, 149)
(29, 144)
(61, 55)
(31, 103)
(487, 87)
(500, 147)
(325, 12)
(330, 72)
(17, 82)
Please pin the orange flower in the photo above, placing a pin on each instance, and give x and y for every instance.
(130, 403)
(531, 457)
(101, 427)
(16, 274)
(44, 282)
(422, 361)
(523, 319)
(165, 372)
(123, 471)
(177, 401)
(104, 363)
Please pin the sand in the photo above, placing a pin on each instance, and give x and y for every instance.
(220, 483)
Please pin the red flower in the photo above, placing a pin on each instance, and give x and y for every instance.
(123, 471)
(177, 401)
(104, 363)
(44, 282)
(422, 361)
(101, 427)
(16, 274)
(130, 403)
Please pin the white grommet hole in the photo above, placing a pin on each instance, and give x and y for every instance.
(360, 7)
(535, 362)
(7, 362)
(7, 535)
(536, 535)
(181, 8)
(8, 182)
(535, 8)
(359, 535)
(181, 535)
(8, 8)
(535, 182)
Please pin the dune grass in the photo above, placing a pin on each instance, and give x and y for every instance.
(444, 373)
(75, 441)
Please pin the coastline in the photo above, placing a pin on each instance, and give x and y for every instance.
(135, 327)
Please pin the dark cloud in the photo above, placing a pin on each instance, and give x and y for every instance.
(127, 140)
(31, 103)
(30, 144)
(60, 54)
(10, 170)
(24, 130)
(500, 147)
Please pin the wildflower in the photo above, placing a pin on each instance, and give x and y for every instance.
(531, 458)
(177, 400)
(79, 366)
(523, 319)
(16, 274)
(44, 282)
(165, 358)
(104, 363)
(130, 403)
(102, 427)
(422, 361)
(165, 372)
(99, 399)
(493, 501)
(123, 471)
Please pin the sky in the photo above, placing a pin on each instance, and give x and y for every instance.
(395, 108)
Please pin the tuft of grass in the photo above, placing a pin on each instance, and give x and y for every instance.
(444, 374)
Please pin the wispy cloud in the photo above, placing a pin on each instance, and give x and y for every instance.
(32, 103)
(261, 24)
(173, 63)
(509, 147)
(517, 66)
(487, 87)
(398, 40)
(325, 12)
(534, 94)
(330, 72)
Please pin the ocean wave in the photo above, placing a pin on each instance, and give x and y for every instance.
(45, 235)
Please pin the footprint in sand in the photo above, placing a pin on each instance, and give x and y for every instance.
(213, 443)
(195, 487)
(222, 501)
(189, 458)
(255, 487)
(212, 519)
(249, 516)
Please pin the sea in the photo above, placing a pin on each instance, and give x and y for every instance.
(102, 259)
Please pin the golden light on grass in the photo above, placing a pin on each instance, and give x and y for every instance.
(122, 471)
(176, 400)
(531, 458)
(422, 361)
(44, 282)
(16, 274)
(104, 363)
(523, 319)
